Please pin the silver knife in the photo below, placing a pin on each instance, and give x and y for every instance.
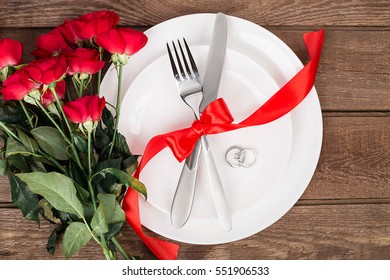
(184, 195)
(214, 64)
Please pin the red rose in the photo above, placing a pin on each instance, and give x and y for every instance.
(84, 61)
(18, 85)
(122, 41)
(11, 52)
(89, 25)
(48, 97)
(48, 70)
(51, 44)
(83, 109)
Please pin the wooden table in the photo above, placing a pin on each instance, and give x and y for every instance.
(345, 211)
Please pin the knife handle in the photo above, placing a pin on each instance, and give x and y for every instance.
(185, 190)
(216, 188)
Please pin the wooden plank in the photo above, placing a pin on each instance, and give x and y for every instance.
(312, 232)
(22, 239)
(305, 232)
(354, 70)
(354, 163)
(303, 12)
(355, 158)
(353, 73)
(5, 192)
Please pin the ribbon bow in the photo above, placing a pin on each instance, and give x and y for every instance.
(216, 118)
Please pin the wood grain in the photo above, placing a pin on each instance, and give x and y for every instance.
(355, 158)
(305, 232)
(145, 13)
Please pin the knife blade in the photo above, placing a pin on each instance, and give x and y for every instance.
(215, 60)
(184, 195)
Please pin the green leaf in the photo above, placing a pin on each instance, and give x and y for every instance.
(23, 198)
(52, 240)
(108, 212)
(19, 162)
(80, 180)
(41, 159)
(99, 222)
(113, 230)
(108, 120)
(125, 179)
(36, 164)
(116, 189)
(121, 146)
(130, 164)
(104, 183)
(3, 167)
(101, 138)
(75, 237)
(89, 211)
(58, 189)
(47, 211)
(51, 141)
(64, 216)
(110, 163)
(77, 173)
(28, 142)
(111, 208)
(83, 193)
(81, 143)
(15, 148)
(12, 115)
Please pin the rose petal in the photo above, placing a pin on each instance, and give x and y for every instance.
(112, 41)
(11, 52)
(85, 108)
(95, 107)
(48, 97)
(89, 25)
(76, 111)
(84, 61)
(135, 40)
(15, 91)
(50, 44)
(17, 85)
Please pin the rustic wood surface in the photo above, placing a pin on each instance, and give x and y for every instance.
(345, 211)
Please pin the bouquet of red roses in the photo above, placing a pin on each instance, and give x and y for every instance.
(62, 152)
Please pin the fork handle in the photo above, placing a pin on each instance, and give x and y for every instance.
(185, 190)
(216, 188)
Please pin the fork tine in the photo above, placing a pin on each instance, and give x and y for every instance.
(173, 65)
(192, 61)
(185, 60)
(183, 75)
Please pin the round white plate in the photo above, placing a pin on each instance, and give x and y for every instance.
(257, 64)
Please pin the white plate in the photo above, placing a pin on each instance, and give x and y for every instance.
(257, 64)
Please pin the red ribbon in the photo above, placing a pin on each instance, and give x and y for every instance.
(216, 118)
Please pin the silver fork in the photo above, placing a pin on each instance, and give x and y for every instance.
(190, 88)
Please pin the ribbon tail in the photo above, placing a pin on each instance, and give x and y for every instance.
(295, 90)
(163, 250)
(154, 146)
(181, 142)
